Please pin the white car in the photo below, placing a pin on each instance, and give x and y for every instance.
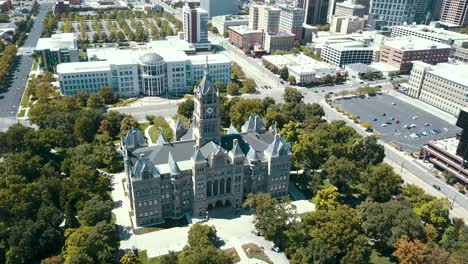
(384, 125)
(275, 248)
(415, 117)
(413, 135)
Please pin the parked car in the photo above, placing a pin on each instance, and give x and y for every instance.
(393, 103)
(427, 124)
(397, 122)
(384, 114)
(388, 123)
(412, 125)
(384, 125)
(275, 248)
(437, 187)
(415, 117)
(375, 119)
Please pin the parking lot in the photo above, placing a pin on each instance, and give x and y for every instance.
(389, 117)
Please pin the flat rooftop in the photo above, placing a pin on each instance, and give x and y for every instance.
(350, 45)
(77, 67)
(58, 41)
(436, 32)
(448, 144)
(244, 30)
(414, 43)
(300, 63)
(454, 72)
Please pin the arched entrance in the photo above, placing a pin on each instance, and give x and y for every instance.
(219, 203)
(227, 203)
(210, 206)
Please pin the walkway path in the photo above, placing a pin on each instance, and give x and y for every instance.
(147, 135)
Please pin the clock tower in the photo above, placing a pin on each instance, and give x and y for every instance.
(206, 114)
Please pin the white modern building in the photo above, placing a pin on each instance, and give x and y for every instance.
(156, 70)
(305, 69)
(341, 54)
(222, 23)
(350, 8)
(430, 32)
(59, 48)
(195, 26)
(444, 85)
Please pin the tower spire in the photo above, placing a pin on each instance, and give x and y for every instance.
(206, 66)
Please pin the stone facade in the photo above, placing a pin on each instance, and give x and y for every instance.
(203, 169)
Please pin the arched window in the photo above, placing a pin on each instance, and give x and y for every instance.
(215, 187)
(228, 185)
(209, 187)
(221, 186)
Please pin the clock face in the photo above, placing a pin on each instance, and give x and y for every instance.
(209, 110)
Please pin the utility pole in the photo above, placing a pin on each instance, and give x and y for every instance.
(402, 164)
(453, 201)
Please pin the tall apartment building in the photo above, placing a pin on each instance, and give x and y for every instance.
(401, 52)
(444, 85)
(386, 13)
(269, 19)
(365, 3)
(349, 8)
(219, 7)
(343, 53)
(195, 26)
(291, 20)
(454, 13)
(202, 169)
(316, 12)
(59, 48)
(134, 72)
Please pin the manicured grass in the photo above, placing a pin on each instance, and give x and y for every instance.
(232, 252)
(158, 122)
(143, 257)
(377, 258)
(25, 100)
(124, 102)
(21, 113)
(169, 223)
(254, 251)
(143, 126)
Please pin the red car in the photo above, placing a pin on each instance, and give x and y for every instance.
(398, 122)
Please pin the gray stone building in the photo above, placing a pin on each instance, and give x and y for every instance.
(203, 168)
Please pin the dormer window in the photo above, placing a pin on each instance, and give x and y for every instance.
(145, 175)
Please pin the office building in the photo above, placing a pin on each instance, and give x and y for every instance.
(342, 53)
(400, 52)
(59, 48)
(195, 26)
(347, 25)
(291, 20)
(305, 69)
(253, 16)
(349, 8)
(308, 33)
(269, 19)
(316, 12)
(454, 13)
(245, 38)
(430, 32)
(202, 169)
(387, 13)
(331, 9)
(449, 154)
(223, 22)
(444, 85)
(278, 41)
(219, 7)
(133, 72)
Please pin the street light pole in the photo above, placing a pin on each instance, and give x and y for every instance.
(402, 164)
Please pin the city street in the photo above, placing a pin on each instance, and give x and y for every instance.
(10, 99)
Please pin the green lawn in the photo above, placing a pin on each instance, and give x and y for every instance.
(377, 258)
(21, 113)
(143, 257)
(25, 100)
(143, 126)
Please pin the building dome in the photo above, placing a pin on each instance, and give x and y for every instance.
(151, 57)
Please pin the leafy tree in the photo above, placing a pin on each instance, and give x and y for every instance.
(94, 211)
(84, 129)
(267, 102)
(220, 86)
(82, 99)
(169, 258)
(201, 235)
(248, 86)
(186, 108)
(242, 109)
(327, 199)
(237, 72)
(94, 101)
(204, 255)
(291, 132)
(371, 153)
(53, 260)
(106, 95)
(233, 88)
(284, 73)
(387, 222)
(132, 258)
(292, 79)
(381, 182)
(292, 95)
(342, 173)
(127, 123)
(409, 252)
(120, 36)
(435, 212)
